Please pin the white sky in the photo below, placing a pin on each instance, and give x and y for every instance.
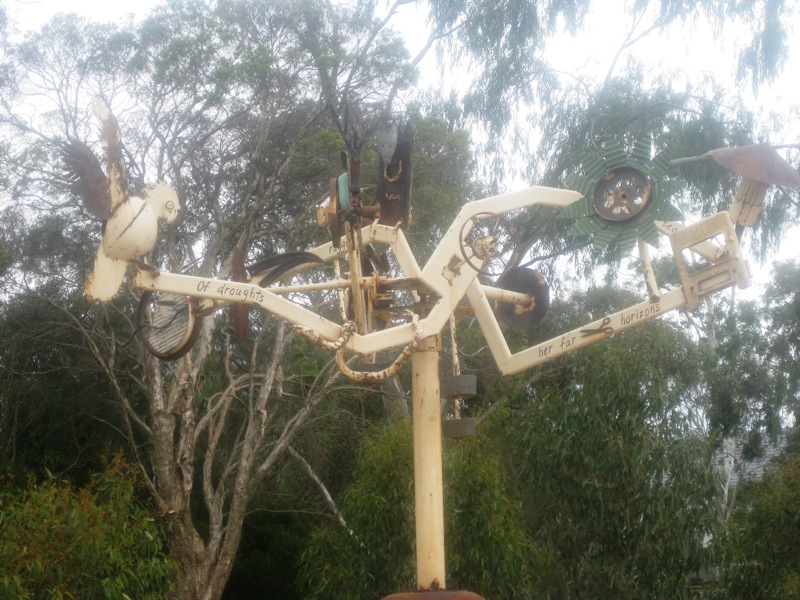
(690, 47)
(32, 14)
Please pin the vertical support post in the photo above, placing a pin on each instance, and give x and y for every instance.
(428, 488)
(649, 273)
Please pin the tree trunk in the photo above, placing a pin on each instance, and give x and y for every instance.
(192, 563)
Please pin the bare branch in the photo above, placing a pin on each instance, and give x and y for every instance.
(323, 490)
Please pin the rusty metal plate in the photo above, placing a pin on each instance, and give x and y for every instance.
(455, 429)
(460, 386)
(241, 312)
(622, 194)
(757, 161)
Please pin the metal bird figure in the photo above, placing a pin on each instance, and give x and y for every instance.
(130, 222)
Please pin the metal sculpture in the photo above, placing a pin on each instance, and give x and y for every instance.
(408, 312)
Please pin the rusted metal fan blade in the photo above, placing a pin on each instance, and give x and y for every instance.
(272, 268)
(241, 312)
(758, 161)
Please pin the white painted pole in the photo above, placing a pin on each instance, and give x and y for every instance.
(428, 488)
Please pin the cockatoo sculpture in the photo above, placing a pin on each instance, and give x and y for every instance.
(130, 221)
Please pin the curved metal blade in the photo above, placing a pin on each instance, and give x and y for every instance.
(291, 260)
(270, 262)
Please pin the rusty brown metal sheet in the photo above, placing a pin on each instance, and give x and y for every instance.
(393, 192)
(758, 161)
(241, 312)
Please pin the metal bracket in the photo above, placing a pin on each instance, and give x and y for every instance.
(705, 277)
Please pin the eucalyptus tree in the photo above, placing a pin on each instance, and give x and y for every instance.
(617, 483)
(225, 105)
(762, 561)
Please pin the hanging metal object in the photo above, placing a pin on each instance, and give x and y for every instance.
(166, 324)
(386, 140)
(460, 386)
(456, 388)
(524, 280)
(393, 191)
(241, 312)
(760, 166)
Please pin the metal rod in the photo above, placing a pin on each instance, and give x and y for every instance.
(356, 291)
(649, 273)
(428, 488)
(320, 285)
(494, 293)
(456, 363)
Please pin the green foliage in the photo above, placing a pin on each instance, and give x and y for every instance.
(503, 41)
(751, 367)
(764, 563)
(374, 555)
(99, 541)
(486, 549)
(444, 179)
(5, 260)
(272, 542)
(615, 481)
(56, 411)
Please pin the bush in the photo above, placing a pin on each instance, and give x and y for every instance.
(99, 541)
(487, 550)
(764, 563)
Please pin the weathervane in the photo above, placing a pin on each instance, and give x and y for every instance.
(625, 201)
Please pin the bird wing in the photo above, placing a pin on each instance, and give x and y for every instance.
(112, 143)
(88, 181)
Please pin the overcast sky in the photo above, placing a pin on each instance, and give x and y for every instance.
(689, 47)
